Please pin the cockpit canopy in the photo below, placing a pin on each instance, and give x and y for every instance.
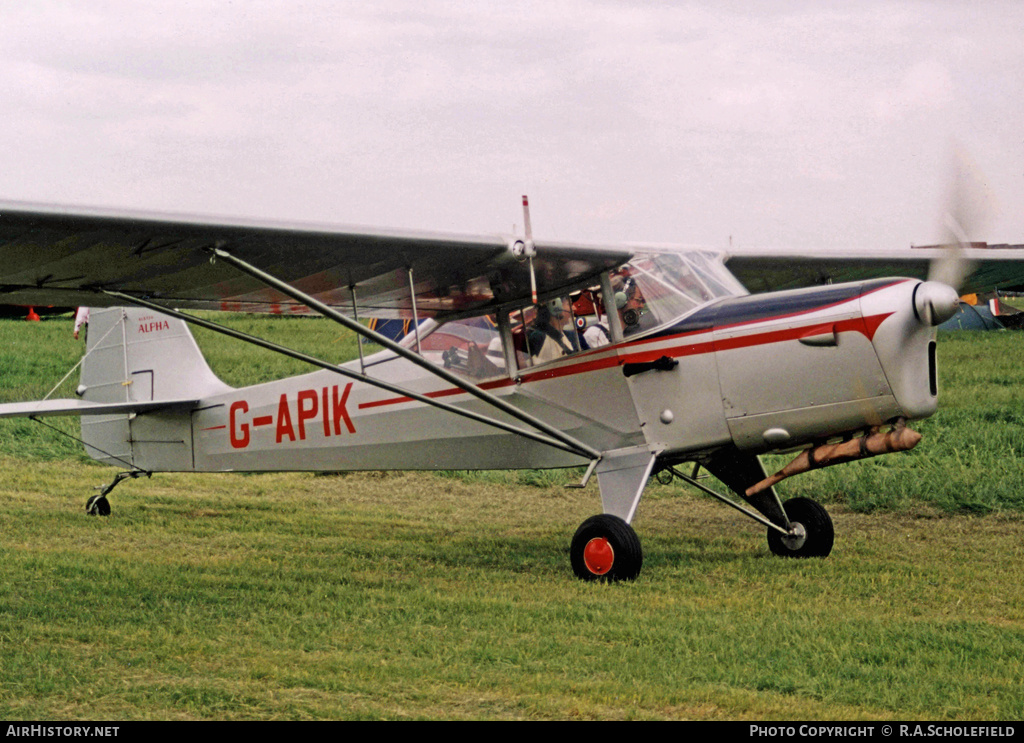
(652, 289)
(657, 288)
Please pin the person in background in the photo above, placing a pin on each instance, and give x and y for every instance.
(81, 320)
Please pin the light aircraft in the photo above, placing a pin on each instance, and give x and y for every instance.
(629, 361)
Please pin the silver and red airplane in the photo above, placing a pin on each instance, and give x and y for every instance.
(629, 361)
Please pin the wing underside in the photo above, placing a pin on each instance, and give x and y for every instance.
(990, 268)
(56, 257)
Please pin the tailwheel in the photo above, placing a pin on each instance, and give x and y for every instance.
(97, 505)
(605, 548)
(811, 533)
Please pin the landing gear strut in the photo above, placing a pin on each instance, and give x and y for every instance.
(98, 505)
(605, 548)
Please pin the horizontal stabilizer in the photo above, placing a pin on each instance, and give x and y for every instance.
(83, 407)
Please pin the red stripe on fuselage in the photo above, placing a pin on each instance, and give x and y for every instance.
(866, 326)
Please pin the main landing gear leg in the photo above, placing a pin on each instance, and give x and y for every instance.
(800, 527)
(605, 547)
(98, 505)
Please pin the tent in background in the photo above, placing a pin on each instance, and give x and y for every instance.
(972, 317)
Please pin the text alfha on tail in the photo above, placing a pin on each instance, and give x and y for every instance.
(627, 361)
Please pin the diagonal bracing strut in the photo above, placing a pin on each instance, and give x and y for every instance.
(287, 289)
(731, 503)
(256, 341)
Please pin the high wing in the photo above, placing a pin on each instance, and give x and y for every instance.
(65, 257)
(990, 267)
(57, 256)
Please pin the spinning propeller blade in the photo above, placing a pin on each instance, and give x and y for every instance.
(969, 205)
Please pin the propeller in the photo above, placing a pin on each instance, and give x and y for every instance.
(968, 206)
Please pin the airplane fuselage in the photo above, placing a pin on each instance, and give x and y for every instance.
(764, 372)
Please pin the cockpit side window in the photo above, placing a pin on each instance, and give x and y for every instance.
(592, 323)
(471, 347)
(649, 291)
(559, 327)
(544, 333)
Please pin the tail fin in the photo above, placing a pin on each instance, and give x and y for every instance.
(136, 355)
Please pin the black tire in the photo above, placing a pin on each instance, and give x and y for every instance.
(98, 505)
(618, 557)
(818, 535)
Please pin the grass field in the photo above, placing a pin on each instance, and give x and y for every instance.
(448, 595)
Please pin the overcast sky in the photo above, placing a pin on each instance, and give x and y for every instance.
(785, 124)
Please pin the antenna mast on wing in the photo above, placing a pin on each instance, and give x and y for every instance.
(530, 248)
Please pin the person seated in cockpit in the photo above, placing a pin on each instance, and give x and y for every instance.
(629, 300)
(595, 334)
(591, 330)
(546, 337)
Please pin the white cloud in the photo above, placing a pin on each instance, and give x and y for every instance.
(926, 87)
(793, 124)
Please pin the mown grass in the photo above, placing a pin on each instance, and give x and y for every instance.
(425, 596)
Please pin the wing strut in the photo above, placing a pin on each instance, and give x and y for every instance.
(574, 444)
(256, 341)
(415, 315)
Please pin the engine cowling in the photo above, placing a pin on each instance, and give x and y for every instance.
(798, 367)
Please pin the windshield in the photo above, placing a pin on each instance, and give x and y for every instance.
(655, 288)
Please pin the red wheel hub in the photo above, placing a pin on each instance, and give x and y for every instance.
(598, 556)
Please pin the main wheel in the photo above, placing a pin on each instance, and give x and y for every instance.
(606, 548)
(665, 477)
(98, 505)
(812, 535)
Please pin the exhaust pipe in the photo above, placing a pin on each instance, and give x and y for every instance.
(900, 438)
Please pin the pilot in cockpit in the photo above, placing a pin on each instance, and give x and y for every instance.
(546, 337)
(629, 300)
